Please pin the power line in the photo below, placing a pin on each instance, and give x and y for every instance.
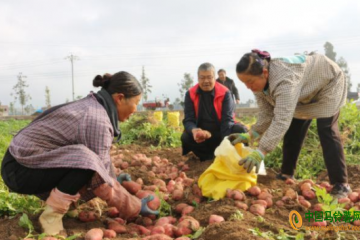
(72, 58)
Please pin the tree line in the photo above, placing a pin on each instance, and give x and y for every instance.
(20, 94)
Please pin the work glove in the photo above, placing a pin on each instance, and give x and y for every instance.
(253, 160)
(245, 138)
(236, 138)
(145, 210)
(123, 177)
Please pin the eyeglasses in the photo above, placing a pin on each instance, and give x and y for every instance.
(206, 77)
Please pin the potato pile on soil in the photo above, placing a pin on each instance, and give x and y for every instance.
(172, 177)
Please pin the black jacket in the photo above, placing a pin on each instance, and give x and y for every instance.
(229, 83)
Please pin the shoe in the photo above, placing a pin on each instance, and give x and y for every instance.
(51, 221)
(284, 177)
(340, 190)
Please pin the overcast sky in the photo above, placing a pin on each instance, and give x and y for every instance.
(168, 38)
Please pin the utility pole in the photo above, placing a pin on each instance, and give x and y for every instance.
(72, 58)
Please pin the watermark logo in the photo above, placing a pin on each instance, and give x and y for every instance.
(295, 220)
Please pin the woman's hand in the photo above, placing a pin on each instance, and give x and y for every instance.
(253, 160)
(145, 210)
(123, 177)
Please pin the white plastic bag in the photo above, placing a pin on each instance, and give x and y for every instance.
(231, 158)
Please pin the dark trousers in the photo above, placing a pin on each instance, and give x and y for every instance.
(206, 149)
(26, 180)
(332, 147)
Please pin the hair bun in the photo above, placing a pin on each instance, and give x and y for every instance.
(262, 54)
(98, 81)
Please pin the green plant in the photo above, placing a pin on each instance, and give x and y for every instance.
(140, 129)
(282, 235)
(196, 234)
(12, 203)
(165, 208)
(25, 222)
(328, 202)
(237, 216)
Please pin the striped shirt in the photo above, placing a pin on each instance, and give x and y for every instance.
(77, 135)
(315, 88)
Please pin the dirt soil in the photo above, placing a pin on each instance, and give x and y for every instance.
(275, 218)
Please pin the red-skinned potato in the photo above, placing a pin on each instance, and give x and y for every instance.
(131, 187)
(261, 202)
(279, 203)
(112, 212)
(264, 195)
(269, 202)
(165, 220)
(108, 233)
(241, 205)
(180, 207)
(320, 224)
(308, 194)
(124, 165)
(196, 190)
(158, 230)
(257, 209)
(354, 197)
(291, 193)
(215, 219)
(140, 181)
(186, 226)
(120, 221)
(305, 203)
(177, 194)
(356, 222)
(94, 234)
(169, 230)
(305, 186)
(228, 192)
(187, 210)
(344, 200)
(237, 195)
(317, 207)
(290, 181)
(254, 191)
(117, 227)
(327, 186)
(87, 216)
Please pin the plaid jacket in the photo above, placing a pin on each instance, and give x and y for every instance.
(314, 89)
(77, 135)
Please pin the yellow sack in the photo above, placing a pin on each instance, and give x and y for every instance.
(158, 116)
(173, 119)
(225, 172)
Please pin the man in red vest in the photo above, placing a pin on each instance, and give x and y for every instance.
(209, 115)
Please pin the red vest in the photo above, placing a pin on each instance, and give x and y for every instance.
(219, 90)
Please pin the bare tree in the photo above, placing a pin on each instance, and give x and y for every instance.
(185, 84)
(19, 92)
(11, 108)
(145, 84)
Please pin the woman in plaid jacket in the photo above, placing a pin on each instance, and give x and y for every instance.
(290, 93)
(64, 154)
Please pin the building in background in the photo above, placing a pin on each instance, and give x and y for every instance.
(4, 111)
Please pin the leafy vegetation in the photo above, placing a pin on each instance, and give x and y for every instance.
(12, 203)
(141, 129)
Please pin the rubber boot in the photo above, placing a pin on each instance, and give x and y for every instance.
(57, 205)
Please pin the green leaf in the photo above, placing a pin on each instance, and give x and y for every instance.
(25, 222)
